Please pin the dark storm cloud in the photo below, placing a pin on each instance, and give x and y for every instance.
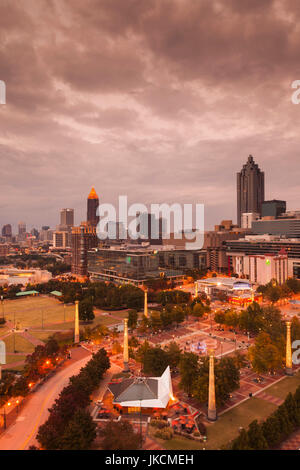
(160, 99)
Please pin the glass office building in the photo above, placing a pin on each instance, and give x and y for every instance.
(125, 265)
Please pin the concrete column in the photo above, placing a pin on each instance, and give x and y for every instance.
(196, 289)
(146, 303)
(288, 360)
(212, 411)
(125, 346)
(76, 329)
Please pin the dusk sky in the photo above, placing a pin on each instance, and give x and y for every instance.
(162, 100)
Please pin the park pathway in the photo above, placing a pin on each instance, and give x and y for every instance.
(270, 398)
(32, 339)
(292, 443)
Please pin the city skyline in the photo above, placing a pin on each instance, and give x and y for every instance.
(133, 107)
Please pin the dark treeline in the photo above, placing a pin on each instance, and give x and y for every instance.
(275, 429)
(69, 425)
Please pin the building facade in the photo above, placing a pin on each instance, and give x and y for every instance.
(67, 217)
(264, 245)
(273, 208)
(92, 206)
(261, 269)
(84, 238)
(134, 265)
(250, 189)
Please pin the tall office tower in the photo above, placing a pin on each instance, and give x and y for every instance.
(35, 233)
(92, 206)
(7, 231)
(151, 228)
(21, 228)
(67, 217)
(83, 239)
(250, 189)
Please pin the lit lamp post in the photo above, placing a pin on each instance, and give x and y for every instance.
(2, 303)
(4, 415)
(196, 289)
(288, 357)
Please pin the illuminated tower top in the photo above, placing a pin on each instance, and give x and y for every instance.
(93, 194)
(92, 206)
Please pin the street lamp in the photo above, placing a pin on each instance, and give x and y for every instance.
(4, 414)
(2, 303)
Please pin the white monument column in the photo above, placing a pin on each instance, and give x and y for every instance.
(212, 411)
(76, 329)
(2, 356)
(125, 346)
(146, 303)
(288, 358)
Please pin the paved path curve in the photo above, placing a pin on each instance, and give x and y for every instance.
(22, 433)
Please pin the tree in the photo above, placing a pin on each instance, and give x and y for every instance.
(293, 284)
(220, 317)
(188, 367)
(132, 318)
(80, 432)
(156, 360)
(174, 353)
(251, 319)
(271, 431)
(198, 310)
(227, 379)
(119, 435)
(265, 355)
(241, 442)
(292, 409)
(86, 310)
(256, 437)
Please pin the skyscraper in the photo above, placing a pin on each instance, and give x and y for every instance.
(92, 206)
(250, 189)
(21, 228)
(67, 217)
(7, 231)
(84, 238)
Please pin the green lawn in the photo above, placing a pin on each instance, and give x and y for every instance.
(42, 335)
(3, 330)
(29, 311)
(11, 358)
(282, 388)
(227, 426)
(21, 344)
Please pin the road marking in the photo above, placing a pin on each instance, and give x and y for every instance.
(37, 422)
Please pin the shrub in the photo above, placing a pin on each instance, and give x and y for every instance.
(202, 428)
(159, 423)
(165, 434)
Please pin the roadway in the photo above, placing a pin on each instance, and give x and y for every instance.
(22, 434)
